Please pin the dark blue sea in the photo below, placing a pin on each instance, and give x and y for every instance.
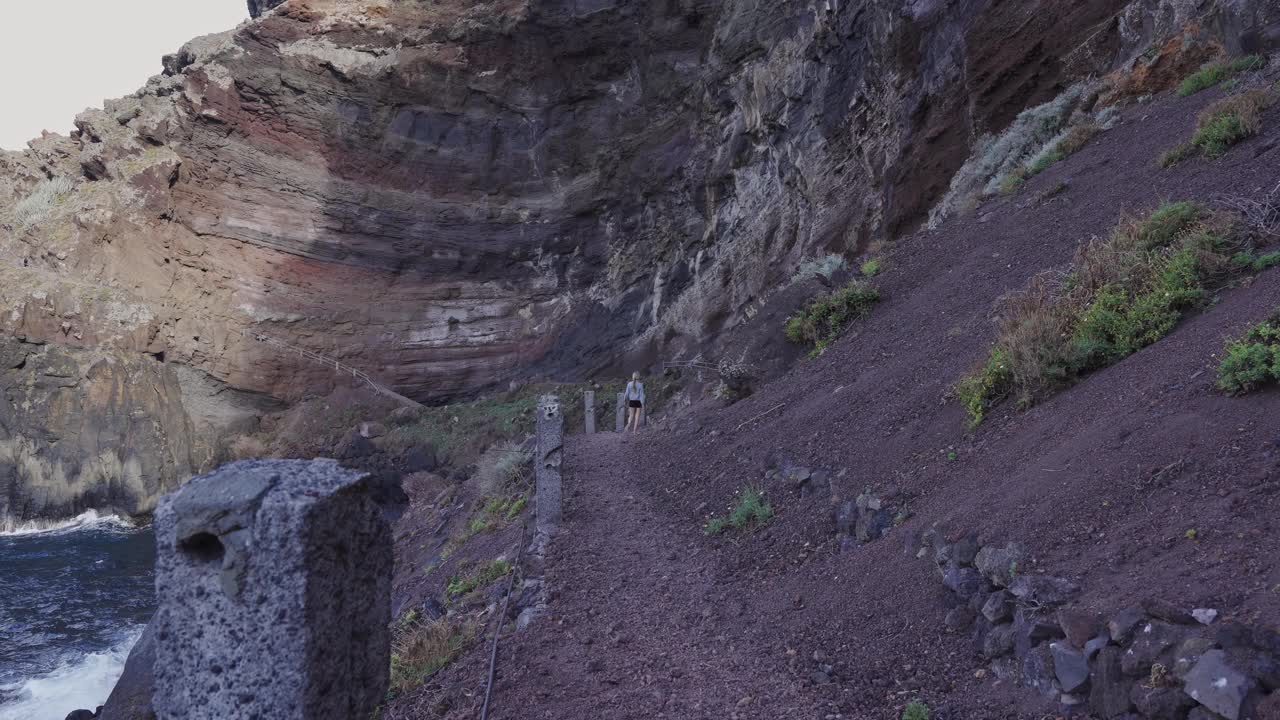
(73, 601)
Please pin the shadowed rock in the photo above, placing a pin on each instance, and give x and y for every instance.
(273, 581)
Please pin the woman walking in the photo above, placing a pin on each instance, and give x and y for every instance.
(634, 397)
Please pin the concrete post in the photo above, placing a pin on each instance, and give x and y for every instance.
(589, 398)
(274, 587)
(550, 445)
(622, 412)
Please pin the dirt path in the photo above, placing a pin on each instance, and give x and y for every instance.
(644, 622)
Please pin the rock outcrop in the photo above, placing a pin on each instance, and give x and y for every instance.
(450, 194)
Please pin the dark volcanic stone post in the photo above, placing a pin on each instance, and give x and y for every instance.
(274, 587)
(622, 412)
(589, 400)
(547, 472)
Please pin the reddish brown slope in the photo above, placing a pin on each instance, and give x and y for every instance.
(1077, 479)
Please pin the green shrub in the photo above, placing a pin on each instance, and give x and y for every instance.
(1212, 75)
(751, 512)
(983, 389)
(421, 649)
(1221, 125)
(872, 267)
(1125, 293)
(1266, 262)
(1253, 360)
(461, 585)
(915, 710)
(822, 321)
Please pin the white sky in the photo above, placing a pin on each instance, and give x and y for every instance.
(58, 57)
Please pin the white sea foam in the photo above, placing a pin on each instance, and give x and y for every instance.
(84, 682)
(86, 520)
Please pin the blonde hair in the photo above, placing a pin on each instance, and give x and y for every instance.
(635, 376)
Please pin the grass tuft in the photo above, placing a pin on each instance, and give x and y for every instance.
(1212, 75)
(40, 204)
(1253, 360)
(1125, 292)
(461, 585)
(872, 267)
(751, 512)
(822, 321)
(915, 710)
(421, 649)
(1222, 125)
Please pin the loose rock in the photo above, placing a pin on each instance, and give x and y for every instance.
(1218, 686)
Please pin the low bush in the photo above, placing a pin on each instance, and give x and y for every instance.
(40, 204)
(1222, 125)
(1124, 293)
(421, 649)
(872, 267)
(1253, 360)
(751, 512)
(822, 321)
(1212, 75)
(915, 710)
(463, 584)
(496, 512)
(501, 465)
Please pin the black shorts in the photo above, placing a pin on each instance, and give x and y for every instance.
(635, 404)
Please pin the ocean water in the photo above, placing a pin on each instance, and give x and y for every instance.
(74, 598)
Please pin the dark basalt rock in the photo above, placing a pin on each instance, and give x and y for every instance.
(131, 697)
(258, 7)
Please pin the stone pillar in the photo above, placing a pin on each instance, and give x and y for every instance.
(589, 399)
(547, 479)
(273, 580)
(622, 412)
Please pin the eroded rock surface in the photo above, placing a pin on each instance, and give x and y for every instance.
(448, 195)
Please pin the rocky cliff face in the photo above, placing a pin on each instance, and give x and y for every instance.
(451, 194)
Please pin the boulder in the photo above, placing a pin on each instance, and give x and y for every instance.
(1000, 564)
(998, 641)
(1160, 702)
(965, 550)
(354, 446)
(131, 697)
(1218, 686)
(1123, 623)
(1043, 590)
(420, 458)
(1080, 626)
(964, 582)
(1188, 654)
(1069, 666)
(1031, 628)
(1167, 611)
(998, 607)
(81, 715)
(1038, 672)
(1153, 642)
(1109, 688)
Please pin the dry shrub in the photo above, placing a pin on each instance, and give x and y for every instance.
(420, 649)
(501, 465)
(1247, 106)
(1035, 335)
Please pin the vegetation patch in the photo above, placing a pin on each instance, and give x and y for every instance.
(496, 513)
(1063, 146)
(872, 267)
(482, 577)
(1124, 293)
(421, 649)
(1222, 125)
(1253, 360)
(751, 512)
(41, 203)
(1216, 73)
(822, 321)
(915, 710)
